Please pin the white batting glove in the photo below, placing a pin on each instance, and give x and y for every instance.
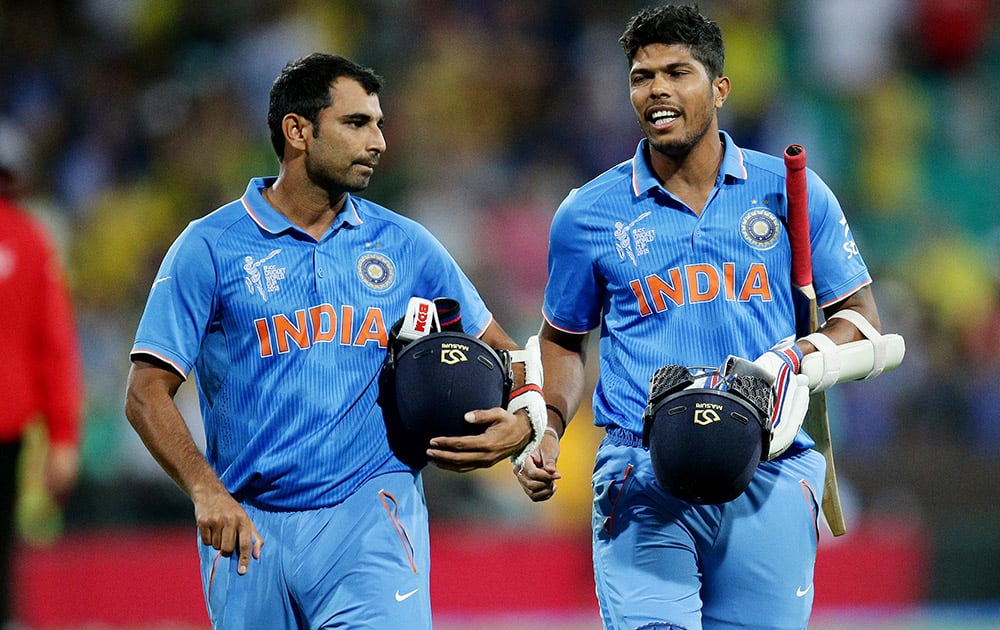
(530, 397)
(791, 395)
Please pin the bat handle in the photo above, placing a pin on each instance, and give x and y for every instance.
(795, 157)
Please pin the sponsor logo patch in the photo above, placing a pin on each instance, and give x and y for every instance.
(706, 413)
(452, 353)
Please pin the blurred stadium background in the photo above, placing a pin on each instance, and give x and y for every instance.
(140, 115)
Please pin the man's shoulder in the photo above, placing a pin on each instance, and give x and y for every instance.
(11, 211)
(370, 211)
(222, 217)
(760, 164)
(210, 228)
(766, 162)
(612, 183)
(19, 221)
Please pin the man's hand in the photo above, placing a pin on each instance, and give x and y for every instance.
(507, 433)
(538, 476)
(62, 468)
(225, 525)
(791, 395)
(150, 408)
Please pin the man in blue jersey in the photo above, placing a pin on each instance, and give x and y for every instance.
(681, 257)
(281, 304)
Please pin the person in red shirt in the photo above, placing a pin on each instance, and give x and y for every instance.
(40, 369)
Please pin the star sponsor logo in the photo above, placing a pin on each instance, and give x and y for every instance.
(849, 246)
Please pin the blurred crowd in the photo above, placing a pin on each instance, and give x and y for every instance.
(133, 118)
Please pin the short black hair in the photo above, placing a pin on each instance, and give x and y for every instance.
(677, 24)
(303, 88)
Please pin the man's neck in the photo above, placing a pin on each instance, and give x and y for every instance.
(692, 176)
(306, 207)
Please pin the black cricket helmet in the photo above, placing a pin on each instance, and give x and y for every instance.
(708, 429)
(428, 385)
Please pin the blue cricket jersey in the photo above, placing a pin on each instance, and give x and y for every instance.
(286, 337)
(668, 286)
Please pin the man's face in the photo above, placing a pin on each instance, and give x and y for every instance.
(343, 152)
(674, 99)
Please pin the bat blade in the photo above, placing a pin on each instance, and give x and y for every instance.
(817, 421)
(817, 425)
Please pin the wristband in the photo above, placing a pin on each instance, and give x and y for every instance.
(525, 389)
(559, 414)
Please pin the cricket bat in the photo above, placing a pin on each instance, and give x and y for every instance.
(817, 421)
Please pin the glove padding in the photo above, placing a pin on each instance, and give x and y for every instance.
(791, 394)
(530, 397)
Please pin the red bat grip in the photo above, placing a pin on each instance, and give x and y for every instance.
(798, 214)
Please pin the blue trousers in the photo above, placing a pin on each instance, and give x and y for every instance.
(660, 562)
(361, 564)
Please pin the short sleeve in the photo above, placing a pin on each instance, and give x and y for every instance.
(838, 268)
(441, 276)
(573, 294)
(180, 304)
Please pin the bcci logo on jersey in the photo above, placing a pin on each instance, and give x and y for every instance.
(760, 228)
(376, 271)
(263, 279)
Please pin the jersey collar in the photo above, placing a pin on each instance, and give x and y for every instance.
(644, 180)
(273, 221)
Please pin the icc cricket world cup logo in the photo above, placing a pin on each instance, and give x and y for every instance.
(261, 278)
(627, 236)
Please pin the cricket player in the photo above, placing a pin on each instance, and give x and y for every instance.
(680, 255)
(280, 304)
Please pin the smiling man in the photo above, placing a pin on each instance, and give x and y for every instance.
(681, 258)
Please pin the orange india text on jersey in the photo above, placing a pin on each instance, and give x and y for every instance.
(702, 282)
(319, 324)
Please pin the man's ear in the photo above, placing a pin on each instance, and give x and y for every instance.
(296, 128)
(720, 88)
